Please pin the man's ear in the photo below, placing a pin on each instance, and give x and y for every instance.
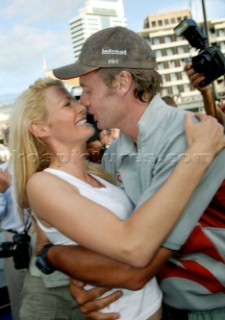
(38, 129)
(125, 80)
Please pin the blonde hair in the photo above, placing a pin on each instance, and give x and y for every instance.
(30, 154)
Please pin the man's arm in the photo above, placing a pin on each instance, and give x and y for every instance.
(84, 265)
(76, 262)
(89, 301)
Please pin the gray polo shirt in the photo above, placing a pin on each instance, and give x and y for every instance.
(142, 169)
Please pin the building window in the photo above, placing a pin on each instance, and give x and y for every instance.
(164, 92)
(186, 87)
(160, 66)
(172, 64)
(184, 76)
(156, 41)
(169, 52)
(222, 45)
(158, 53)
(160, 23)
(173, 21)
(153, 24)
(180, 50)
(146, 24)
(166, 22)
(105, 22)
(173, 77)
(167, 39)
(175, 90)
(221, 33)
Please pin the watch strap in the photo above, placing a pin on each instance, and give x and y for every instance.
(41, 261)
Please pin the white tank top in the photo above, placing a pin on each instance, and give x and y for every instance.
(133, 305)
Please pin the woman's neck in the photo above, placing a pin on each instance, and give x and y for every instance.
(71, 159)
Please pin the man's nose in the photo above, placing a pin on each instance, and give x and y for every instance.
(84, 100)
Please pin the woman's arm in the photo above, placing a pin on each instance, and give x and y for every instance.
(136, 240)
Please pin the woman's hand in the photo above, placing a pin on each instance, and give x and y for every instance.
(207, 135)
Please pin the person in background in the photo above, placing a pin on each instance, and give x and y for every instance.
(108, 135)
(95, 150)
(11, 224)
(94, 147)
(207, 94)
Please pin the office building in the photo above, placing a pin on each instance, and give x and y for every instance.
(95, 16)
(172, 53)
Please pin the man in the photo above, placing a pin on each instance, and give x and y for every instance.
(117, 71)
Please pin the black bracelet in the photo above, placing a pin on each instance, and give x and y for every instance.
(41, 261)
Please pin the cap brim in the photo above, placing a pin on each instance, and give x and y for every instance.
(73, 70)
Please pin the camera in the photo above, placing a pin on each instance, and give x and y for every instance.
(210, 61)
(18, 249)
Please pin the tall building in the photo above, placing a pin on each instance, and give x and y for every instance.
(95, 16)
(172, 53)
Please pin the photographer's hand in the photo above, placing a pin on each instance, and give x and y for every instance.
(195, 78)
(4, 180)
(207, 93)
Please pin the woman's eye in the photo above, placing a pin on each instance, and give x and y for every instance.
(67, 104)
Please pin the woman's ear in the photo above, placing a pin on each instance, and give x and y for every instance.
(38, 129)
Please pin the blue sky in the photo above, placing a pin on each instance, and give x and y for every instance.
(33, 31)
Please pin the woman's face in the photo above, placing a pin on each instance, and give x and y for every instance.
(66, 118)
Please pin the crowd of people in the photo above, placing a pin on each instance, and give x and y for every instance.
(127, 215)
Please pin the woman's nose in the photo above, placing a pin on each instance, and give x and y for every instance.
(81, 108)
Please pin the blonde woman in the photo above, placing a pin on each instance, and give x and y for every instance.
(74, 203)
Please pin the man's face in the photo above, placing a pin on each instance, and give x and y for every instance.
(103, 102)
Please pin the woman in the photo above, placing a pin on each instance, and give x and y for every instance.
(48, 134)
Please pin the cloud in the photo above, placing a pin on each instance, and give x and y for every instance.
(33, 31)
(34, 11)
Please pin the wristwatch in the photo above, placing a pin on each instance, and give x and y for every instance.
(41, 261)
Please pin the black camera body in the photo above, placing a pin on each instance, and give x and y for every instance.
(18, 249)
(210, 61)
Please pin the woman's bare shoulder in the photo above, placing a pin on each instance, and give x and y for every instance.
(42, 180)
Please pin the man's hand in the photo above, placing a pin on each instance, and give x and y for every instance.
(4, 180)
(89, 302)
